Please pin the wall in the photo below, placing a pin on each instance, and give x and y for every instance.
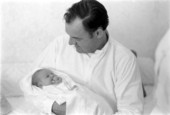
(27, 27)
(139, 25)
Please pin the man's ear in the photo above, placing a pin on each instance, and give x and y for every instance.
(99, 33)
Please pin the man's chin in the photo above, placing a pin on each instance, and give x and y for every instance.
(79, 50)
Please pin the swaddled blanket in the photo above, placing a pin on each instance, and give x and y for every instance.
(79, 99)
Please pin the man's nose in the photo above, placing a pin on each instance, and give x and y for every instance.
(72, 41)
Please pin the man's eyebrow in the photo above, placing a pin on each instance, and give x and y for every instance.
(77, 38)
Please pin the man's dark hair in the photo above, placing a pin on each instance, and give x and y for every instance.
(92, 13)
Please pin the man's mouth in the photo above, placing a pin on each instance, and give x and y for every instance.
(76, 46)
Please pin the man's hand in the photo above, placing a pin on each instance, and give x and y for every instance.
(59, 109)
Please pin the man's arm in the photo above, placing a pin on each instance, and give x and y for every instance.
(59, 109)
(128, 87)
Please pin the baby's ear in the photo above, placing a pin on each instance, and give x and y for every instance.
(40, 85)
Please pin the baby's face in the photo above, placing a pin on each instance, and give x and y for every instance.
(47, 77)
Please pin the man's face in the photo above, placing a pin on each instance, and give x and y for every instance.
(80, 38)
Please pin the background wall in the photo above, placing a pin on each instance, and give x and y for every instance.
(27, 27)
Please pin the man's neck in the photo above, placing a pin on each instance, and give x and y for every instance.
(104, 40)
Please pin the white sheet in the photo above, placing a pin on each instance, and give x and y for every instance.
(162, 70)
(146, 66)
(158, 103)
(20, 106)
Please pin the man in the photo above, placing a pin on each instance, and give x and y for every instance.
(95, 60)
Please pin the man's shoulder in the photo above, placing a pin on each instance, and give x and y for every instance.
(120, 51)
(120, 48)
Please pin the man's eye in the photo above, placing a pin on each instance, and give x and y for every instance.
(77, 39)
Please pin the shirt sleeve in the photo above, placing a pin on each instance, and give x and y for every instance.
(48, 56)
(128, 87)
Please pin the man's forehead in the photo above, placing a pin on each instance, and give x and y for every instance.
(75, 27)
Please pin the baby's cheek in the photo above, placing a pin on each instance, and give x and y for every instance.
(59, 81)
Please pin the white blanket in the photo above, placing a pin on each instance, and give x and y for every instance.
(81, 101)
(158, 102)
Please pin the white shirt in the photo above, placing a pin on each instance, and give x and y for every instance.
(111, 72)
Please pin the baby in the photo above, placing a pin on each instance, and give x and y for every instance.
(45, 77)
(60, 88)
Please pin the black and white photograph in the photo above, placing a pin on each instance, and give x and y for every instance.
(85, 57)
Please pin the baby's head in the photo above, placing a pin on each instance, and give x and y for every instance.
(44, 77)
